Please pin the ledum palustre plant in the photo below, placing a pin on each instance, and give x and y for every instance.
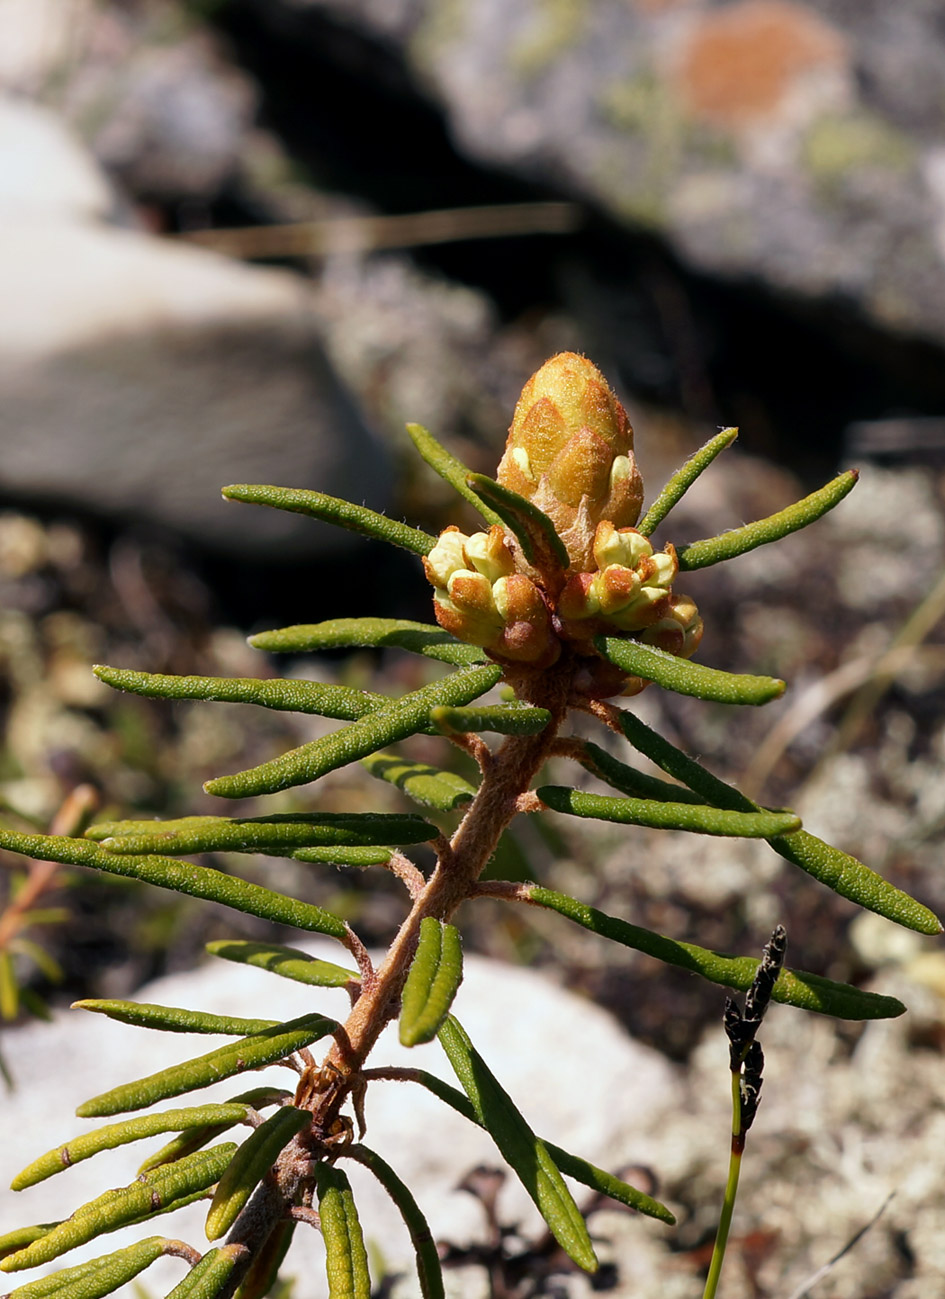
(563, 603)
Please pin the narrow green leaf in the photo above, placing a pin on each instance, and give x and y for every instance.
(536, 534)
(449, 468)
(11, 1242)
(236, 1057)
(685, 677)
(435, 974)
(120, 1134)
(281, 834)
(848, 877)
(628, 780)
(285, 961)
(332, 509)
(97, 1277)
(598, 1179)
(173, 1019)
(714, 549)
(250, 1165)
(580, 1169)
(359, 858)
(9, 988)
(261, 1276)
(429, 786)
(346, 1259)
(793, 987)
(697, 817)
(275, 692)
(191, 1139)
(519, 1146)
(143, 1198)
(428, 1260)
(506, 719)
(406, 716)
(370, 633)
(683, 479)
(210, 1276)
(181, 877)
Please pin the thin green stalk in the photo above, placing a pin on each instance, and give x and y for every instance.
(731, 1191)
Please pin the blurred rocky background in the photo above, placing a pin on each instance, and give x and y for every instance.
(246, 240)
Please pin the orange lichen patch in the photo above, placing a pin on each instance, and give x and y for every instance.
(741, 61)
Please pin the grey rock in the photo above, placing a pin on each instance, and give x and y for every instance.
(798, 144)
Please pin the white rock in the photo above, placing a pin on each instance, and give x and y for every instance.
(578, 1077)
(45, 173)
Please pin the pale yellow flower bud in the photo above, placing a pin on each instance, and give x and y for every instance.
(488, 553)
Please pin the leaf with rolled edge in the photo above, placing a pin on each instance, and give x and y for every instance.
(406, 716)
(698, 818)
(572, 1165)
(684, 677)
(346, 1259)
(96, 1277)
(288, 962)
(429, 1271)
(250, 1165)
(332, 509)
(793, 987)
(370, 633)
(191, 1139)
(844, 874)
(506, 719)
(120, 1134)
(260, 1277)
(713, 550)
(145, 1197)
(211, 1275)
(360, 858)
(429, 786)
(637, 784)
(13, 1241)
(236, 1057)
(523, 1151)
(536, 534)
(435, 974)
(173, 1019)
(683, 479)
(275, 835)
(277, 693)
(450, 469)
(181, 877)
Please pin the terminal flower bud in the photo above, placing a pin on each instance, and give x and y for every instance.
(570, 452)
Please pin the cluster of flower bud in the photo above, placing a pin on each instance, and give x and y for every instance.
(480, 597)
(630, 591)
(570, 453)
